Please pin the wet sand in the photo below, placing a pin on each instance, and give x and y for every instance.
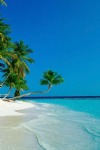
(15, 137)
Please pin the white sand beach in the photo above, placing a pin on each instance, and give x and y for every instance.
(34, 126)
(12, 135)
(10, 108)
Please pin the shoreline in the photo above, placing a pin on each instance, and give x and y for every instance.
(34, 126)
(12, 133)
(12, 108)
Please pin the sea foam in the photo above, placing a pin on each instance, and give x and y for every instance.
(60, 128)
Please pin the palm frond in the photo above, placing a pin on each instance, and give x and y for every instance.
(28, 59)
(3, 2)
(44, 82)
(5, 60)
(27, 70)
(51, 78)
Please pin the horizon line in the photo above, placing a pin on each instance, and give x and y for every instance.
(61, 97)
(51, 97)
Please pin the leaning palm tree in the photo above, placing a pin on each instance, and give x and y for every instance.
(13, 81)
(50, 78)
(19, 64)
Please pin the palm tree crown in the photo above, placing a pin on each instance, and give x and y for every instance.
(21, 53)
(18, 67)
(51, 78)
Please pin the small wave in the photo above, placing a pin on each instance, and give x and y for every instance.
(37, 138)
(56, 128)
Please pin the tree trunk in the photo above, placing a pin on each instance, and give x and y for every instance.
(17, 93)
(4, 81)
(37, 92)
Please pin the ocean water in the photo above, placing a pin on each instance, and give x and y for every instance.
(66, 124)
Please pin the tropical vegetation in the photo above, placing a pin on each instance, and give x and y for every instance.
(14, 60)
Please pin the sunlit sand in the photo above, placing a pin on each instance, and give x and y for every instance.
(10, 108)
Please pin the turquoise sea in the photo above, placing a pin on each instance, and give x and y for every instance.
(66, 124)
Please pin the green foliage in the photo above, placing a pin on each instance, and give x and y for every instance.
(21, 51)
(20, 84)
(14, 59)
(51, 78)
(18, 67)
(13, 81)
(3, 2)
(5, 42)
(4, 28)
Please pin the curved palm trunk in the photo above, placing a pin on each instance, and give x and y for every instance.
(4, 98)
(37, 92)
(4, 81)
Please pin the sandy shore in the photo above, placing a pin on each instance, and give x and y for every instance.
(13, 136)
(11, 108)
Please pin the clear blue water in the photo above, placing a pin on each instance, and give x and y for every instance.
(66, 124)
(91, 106)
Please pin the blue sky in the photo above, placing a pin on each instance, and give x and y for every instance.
(65, 37)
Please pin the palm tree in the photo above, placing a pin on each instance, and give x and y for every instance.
(20, 84)
(50, 78)
(19, 64)
(18, 67)
(5, 42)
(3, 2)
(5, 47)
(22, 52)
(13, 81)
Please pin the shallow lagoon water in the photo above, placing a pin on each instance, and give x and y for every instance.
(64, 124)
